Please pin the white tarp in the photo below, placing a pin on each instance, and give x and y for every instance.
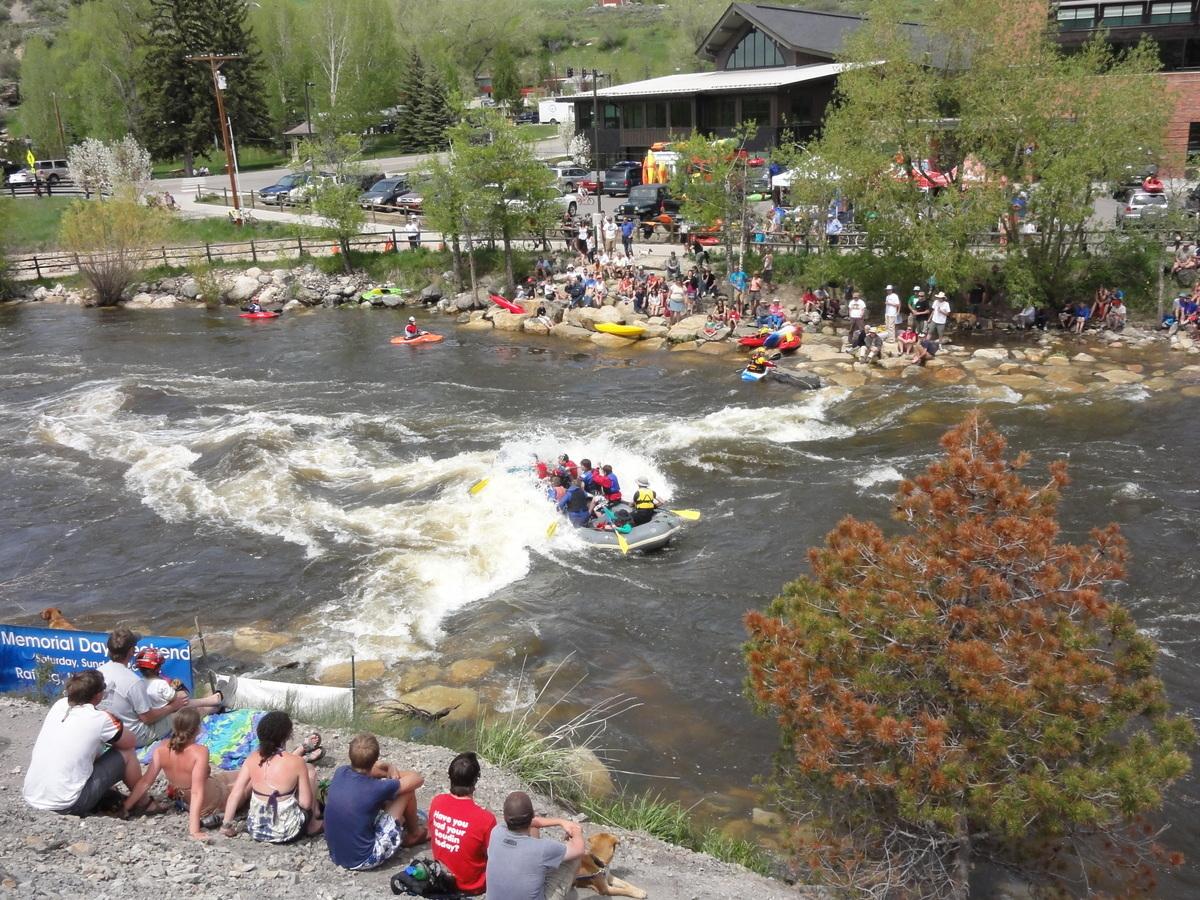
(296, 699)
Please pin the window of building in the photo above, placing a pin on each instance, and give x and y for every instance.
(754, 51)
(612, 116)
(1117, 15)
(1193, 138)
(1076, 18)
(634, 115)
(718, 112)
(656, 114)
(583, 115)
(758, 108)
(1166, 13)
(681, 114)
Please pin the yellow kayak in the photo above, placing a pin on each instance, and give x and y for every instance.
(622, 330)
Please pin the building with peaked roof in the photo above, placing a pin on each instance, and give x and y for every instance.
(774, 64)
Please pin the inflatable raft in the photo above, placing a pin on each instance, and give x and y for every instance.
(654, 535)
(622, 330)
(264, 314)
(425, 337)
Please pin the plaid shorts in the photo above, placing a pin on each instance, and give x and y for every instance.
(389, 835)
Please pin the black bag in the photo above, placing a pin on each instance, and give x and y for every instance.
(439, 883)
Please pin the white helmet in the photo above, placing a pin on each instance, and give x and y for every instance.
(412, 318)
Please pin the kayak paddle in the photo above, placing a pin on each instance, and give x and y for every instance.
(478, 486)
(692, 515)
(551, 528)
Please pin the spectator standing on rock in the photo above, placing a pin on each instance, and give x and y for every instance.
(610, 235)
(460, 827)
(522, 865)
(857, 309)
(71, 771)
(891, 312)
(125, 693)
(939, 315)
(627, 230)
(371, 809)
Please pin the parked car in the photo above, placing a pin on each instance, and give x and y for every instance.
(619, 179)
(591, 182)
(527, 117)
(53, 170)
(1142, 207)
(568, 177)
(384, 193)
(413, 202)
(650, 202)
(277, 193)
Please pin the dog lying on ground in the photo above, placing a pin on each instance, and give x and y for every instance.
(54, 618)
(593, 869)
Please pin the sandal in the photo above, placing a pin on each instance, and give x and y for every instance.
(311, 750)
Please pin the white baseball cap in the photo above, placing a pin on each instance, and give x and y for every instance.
(888, 288)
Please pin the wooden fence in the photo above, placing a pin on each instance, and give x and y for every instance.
(64, 188)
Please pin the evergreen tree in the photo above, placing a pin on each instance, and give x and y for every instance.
(436, 115)
(412, 96)
(180, 116)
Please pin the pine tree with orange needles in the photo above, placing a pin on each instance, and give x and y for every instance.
(965, 690)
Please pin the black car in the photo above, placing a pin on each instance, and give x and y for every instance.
(619, 180)
(384, 193)
(649, 201)
(529, 117)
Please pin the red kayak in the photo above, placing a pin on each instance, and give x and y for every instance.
(754, 340)
(505, 304)
(789, 346)
(265, 314)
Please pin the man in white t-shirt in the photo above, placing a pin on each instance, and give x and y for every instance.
(610, 235)
(857, 310)
(939, 315)
(125, 693)
(70, 771)
(891, 312)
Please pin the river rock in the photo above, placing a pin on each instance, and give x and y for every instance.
(849, 379)
(990, 353)
(609, 341)
(950, 375)
(392, 301)
(292, 305)
(190, 288)
(1056, 359)
(894, 362)
(1120, 376)
(571, 332)
(243, 288)
(503, 320)
(464, 671)
(819, 353)
(1083, 358)
(1192, 390)
(593, 775)
(253, 272)
(654, 343)
(416, 676)
(254, 640)
(465, 301)
(364, 670)
(435, 697)
(765, 818)
(687, 329)
(535, 326)
(655, 331)
(1020, 382)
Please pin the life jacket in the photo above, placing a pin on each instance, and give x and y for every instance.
(577, 500)
(644, 499)
(411, 330)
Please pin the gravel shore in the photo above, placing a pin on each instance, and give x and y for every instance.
(47, 855)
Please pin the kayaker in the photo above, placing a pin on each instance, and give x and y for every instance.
(575, 504)
(645, 502)
(760, 363)
(411, 330)
(254, 307)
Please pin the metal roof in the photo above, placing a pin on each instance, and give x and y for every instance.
(718, 82)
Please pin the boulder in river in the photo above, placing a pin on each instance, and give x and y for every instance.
(687, 329)
(364, 670)
(610, 341)
(571, 332)
(503, 320)
(256, 641)
(464, 671)
(462, 702)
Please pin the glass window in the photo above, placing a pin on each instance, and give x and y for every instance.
(758, 108)
(611, 114)
(1119, 14)
(1076, 18)
(583, 115)
(681, 113)
(754, 51)
(1193, 138)
(656, 114)
(1166, 13)
(718, 112)
(635, 115)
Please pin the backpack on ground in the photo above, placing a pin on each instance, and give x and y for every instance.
(426, 878)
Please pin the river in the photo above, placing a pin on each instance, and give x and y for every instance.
(306, 476)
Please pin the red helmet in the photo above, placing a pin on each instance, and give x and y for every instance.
(150, 659)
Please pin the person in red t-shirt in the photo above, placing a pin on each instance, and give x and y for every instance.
(460, 828)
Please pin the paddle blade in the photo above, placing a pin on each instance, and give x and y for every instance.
(478, 486)
(551, 528)
(692, 515)
(621, 542)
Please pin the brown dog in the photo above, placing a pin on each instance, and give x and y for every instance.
(55, 619)
(965, 320)
(593, 869)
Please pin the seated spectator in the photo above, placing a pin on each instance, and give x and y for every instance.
(521, 864)
(1081, 315)
(906, 341)
(125, 694)
(1116, 314)
(71, 770)
(371, 809)
(282, 788)
(925, 349)
(1066, 316)
(1185, 258)
(460, 828)
(1026, 317)
(195, 788)
(149, 663)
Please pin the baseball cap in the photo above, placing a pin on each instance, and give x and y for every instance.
(889, 288)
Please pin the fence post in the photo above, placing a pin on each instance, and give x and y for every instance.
(253, 251)
(36, 268)
(225, 194)
(299, 247)
(395, 246)
(164, 254)
(208, 252)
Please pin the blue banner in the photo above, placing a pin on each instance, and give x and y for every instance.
(44, 657)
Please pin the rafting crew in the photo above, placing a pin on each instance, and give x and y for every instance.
(645, 502)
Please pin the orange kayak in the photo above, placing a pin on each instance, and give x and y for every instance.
(425, 337)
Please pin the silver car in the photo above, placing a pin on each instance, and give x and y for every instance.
(1142, 206)
(52, 170)
(567, 177)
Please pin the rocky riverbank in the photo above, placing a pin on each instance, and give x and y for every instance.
(47, 855)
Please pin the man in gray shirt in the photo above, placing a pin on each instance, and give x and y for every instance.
(523, 866)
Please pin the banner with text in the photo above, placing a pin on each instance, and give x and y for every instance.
(59, 653)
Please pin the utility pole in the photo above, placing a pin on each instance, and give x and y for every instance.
(596, 145)
(308, 121)
(62, 137)
(214, 63)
